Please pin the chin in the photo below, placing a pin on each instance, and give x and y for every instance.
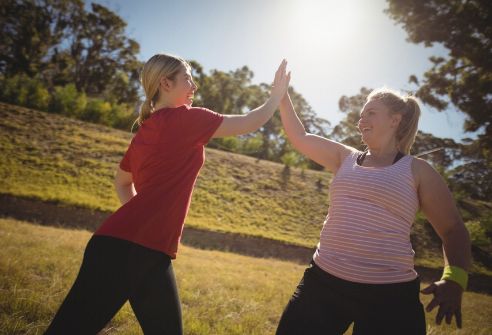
(366, 141)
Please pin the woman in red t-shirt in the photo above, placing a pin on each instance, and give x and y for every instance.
(129, 256)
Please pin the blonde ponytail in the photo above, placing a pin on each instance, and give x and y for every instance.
(407, 129)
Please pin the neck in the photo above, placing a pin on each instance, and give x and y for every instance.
(164, 104)
(387, 149)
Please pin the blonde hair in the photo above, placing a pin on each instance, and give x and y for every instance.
(408, 107)
(158, 66)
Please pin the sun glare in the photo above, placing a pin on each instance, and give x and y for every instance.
(322, 26)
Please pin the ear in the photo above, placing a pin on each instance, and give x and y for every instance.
(165, 84)
(395, 120)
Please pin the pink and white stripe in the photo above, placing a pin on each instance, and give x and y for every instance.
(366, 235)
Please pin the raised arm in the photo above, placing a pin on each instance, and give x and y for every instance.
(326, 152)
(437, 204)
(242, 124)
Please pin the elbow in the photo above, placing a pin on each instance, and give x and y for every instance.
(452, 231)
(297, 137)
(118, 184)
(457, 236)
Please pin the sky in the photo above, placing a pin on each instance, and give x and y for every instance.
(333, 48)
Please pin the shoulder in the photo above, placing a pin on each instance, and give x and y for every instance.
(423, 171)
(347, 153)
(421, 166)
(351, 150)
(198, 112)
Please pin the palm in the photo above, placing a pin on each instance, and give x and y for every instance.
(281, 81)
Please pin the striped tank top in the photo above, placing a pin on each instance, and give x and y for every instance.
(366, 234)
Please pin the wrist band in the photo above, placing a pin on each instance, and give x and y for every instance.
(455, 274)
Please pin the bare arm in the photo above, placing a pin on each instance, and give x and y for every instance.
(437, 204)
(326, 152)
(243, 124)
(123, 183)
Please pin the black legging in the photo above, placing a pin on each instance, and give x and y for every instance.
(324, 304)
(112, 272)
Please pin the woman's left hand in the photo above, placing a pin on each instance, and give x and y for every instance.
(447, 295)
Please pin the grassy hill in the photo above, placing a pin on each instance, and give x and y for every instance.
(221, 293)
(54, 158)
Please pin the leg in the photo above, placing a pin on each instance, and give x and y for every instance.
(155, 300)
(98, 293)
(392, 313)
(409, 320)
(314, 309)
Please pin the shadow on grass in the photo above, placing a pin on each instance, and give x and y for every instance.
(68, 216)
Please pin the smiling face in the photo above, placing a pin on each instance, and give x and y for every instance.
(181, 89)
(377, 124)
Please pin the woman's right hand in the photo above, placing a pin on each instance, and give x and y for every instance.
(242, 124)
(280, 82)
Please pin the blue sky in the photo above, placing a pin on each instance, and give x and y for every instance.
(333, 47)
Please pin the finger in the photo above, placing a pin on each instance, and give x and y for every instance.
(440, 315)
(429, 289)
(277, 73)
(281, 67)
(275, 79)
(449, 317)
(458, 318)
(282, 78)
(434, 302)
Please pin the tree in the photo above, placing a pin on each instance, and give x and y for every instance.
(346, 131)
(464, 77)
(30, 31)
(103, 60)
(61, 42)
(233, 93)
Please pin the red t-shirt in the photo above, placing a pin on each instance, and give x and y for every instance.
(164, 158)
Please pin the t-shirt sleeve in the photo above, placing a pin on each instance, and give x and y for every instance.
(125, 161)
(200, 124)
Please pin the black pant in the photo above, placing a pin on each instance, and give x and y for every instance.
(325, 304)
(112, 272)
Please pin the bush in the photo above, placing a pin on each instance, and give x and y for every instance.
(230, 143)
(123, 116)
(24, 91)
(68, 101)
(252, 145)
(290, 159)
(97, 111)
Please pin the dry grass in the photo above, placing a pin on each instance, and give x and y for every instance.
(221, 293)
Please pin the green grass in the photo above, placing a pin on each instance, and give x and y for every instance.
(53, 158)
(221, 293)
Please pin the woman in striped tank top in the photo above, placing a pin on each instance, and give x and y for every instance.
(362, 271)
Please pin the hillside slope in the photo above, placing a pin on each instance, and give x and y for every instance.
(53, 158)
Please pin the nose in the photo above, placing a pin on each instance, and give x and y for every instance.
(361, 123)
